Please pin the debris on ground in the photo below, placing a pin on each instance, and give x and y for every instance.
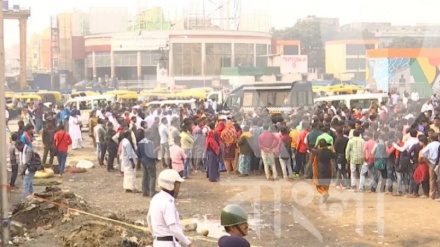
(46, 183)
(71, 170)
(86, 164)
(37, 217)
(37, 211)
(94, 233)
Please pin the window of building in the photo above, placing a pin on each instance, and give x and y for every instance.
(354, 50)
(150, 58)
(125, 59)
(218, 55)
(355, 64)
(244, 55)
(187, 59)
(290, 50)
(102, 59)
(261, 55)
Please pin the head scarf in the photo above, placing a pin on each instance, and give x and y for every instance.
(212, 143)
(229, 134)
(220, 127)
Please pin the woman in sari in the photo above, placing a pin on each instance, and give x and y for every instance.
(229, 138)
(245, 150)
(212, 155)
(218, 131)
(322, 169)
(238, 132)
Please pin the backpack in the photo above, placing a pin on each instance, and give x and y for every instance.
(35, 163)
(380, 157)
(403, 162)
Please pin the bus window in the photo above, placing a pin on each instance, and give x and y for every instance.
(361, 103)
(248, 99)
(282, 98)
(310, 98)
(263, 99)
(232, 101)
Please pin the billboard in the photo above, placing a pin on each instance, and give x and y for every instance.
(139, 43)
(294, 64)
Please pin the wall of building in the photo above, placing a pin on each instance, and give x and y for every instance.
(392, 68)
(335, 59)
(39, 52)
(65, 26)
(345, 59)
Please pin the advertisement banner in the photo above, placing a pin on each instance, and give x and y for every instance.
(294, 64)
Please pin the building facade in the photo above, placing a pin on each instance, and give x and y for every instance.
(404, 69)
(345, 59)
(39, 52)
(175, 56)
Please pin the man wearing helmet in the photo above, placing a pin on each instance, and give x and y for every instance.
(234, 219)
(163, 218)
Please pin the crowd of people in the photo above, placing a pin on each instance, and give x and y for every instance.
(390, 141)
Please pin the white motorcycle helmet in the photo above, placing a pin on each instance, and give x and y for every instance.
(167, 179)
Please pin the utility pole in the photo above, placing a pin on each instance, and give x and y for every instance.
(5, 217)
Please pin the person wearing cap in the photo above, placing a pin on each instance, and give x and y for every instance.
(163, 218)
(234, 218)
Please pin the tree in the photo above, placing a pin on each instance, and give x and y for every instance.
(406, 42)
(312, 33)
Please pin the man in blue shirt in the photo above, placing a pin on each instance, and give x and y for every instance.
(28, 135)
(147, 155)
(431, 155)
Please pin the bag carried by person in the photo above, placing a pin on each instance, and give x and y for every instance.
(380, 157)
(34, 164)
(54, 148)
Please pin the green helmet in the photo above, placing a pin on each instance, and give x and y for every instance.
(233, 215)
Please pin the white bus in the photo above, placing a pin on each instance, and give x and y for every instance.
(88, 103)
(354, 101)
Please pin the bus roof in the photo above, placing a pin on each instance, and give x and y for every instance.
(271, 85)
(85, 98)
(351, 96)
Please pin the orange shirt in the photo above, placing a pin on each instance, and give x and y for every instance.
(294, 135)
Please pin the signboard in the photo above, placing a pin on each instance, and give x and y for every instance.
(139, 43)
(294, 64)
(54, 33)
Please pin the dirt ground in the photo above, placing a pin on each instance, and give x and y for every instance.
(282, 213)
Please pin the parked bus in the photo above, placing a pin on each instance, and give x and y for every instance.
(354, 101)
(276, 97)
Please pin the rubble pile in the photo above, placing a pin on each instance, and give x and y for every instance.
(35, 212)
(37, 217)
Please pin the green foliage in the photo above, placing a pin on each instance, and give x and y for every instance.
(406, 42)
(313, 34)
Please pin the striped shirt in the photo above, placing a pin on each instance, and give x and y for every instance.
(354, 152)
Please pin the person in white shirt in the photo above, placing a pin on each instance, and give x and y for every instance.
(149, 119)
(408, 143)
(135, 113)
(163, 133)
(395, 98)
(163, 217)
(214, 105)
(415, 96)
(427, 106)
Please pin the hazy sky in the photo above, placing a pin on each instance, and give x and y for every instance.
(283, 12)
